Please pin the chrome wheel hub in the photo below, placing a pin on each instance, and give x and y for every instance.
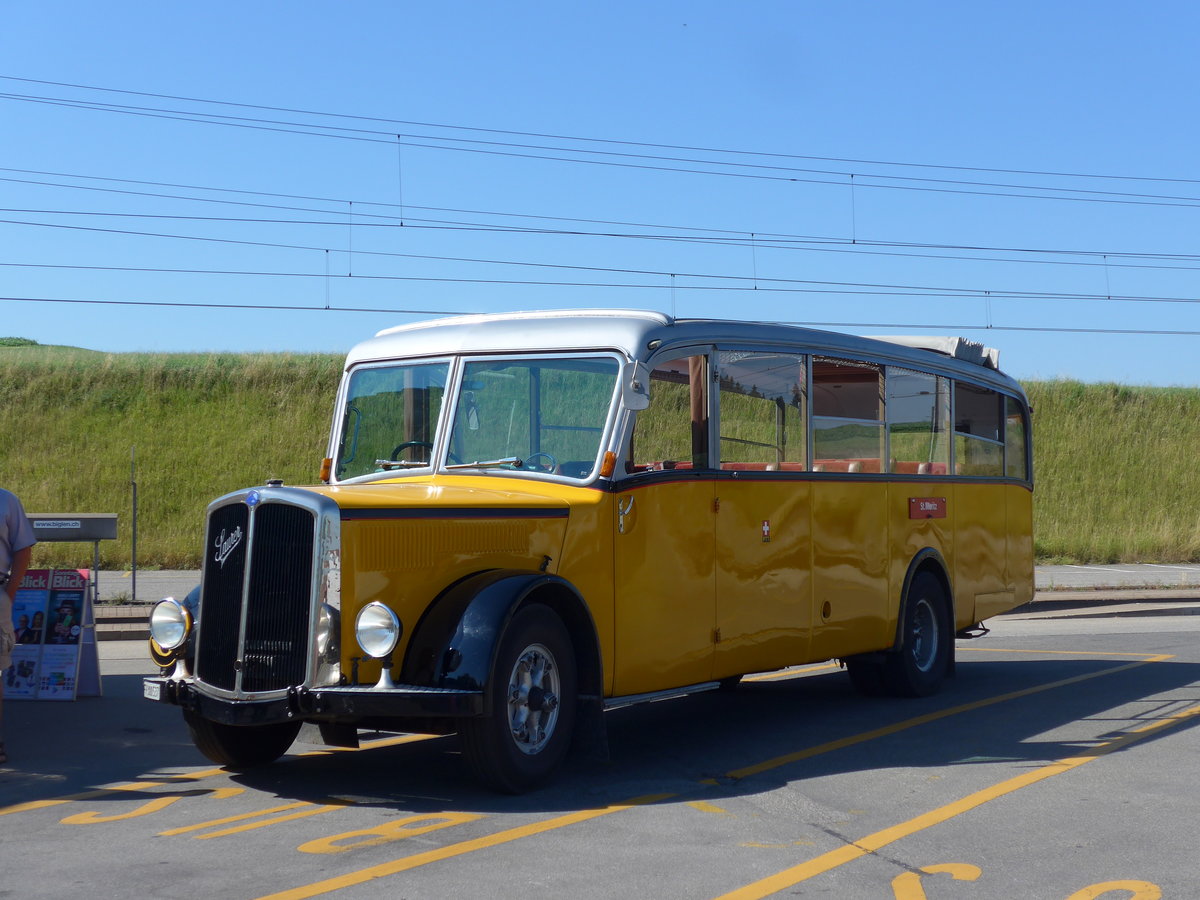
(533, 690)
(924, 637)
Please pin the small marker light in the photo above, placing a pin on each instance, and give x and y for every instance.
(608, 464)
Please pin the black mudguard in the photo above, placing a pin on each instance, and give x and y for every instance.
(455, 643)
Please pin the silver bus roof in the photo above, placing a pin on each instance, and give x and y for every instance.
(639, 334)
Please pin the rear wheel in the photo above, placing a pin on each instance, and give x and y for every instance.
(917, 667)
(240, 746)
(533, 695)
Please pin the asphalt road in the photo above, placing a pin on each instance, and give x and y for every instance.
(1057, 765)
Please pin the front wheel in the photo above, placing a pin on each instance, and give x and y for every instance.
(533, 696)
(917, 667)
(240, 746)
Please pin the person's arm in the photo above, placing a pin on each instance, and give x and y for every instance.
(20, 564)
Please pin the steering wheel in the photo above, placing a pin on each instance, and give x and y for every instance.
(400, 448)
(549, 465)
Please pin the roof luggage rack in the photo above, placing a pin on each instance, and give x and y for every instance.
(955, 347)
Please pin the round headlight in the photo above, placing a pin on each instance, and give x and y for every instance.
(377, 630)
(170, 624)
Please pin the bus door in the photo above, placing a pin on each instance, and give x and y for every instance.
(763, 538)
(664, 537)
(851, 608)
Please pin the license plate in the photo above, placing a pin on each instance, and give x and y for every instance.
(152, 690)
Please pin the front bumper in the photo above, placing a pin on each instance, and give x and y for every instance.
(327, 704)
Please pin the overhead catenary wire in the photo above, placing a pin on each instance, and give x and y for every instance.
(751, 283)
(926, 326)
(785, 284)
(740, 163)
(805, 244)
(648, 161)
(678, 232)
(609, 141)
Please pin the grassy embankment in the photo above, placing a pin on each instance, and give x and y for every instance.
(202, 425)
(1118, 479)
(1117, 473)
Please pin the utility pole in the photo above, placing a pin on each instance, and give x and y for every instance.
(133, 548)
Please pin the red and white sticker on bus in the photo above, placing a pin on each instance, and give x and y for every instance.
(927, 507)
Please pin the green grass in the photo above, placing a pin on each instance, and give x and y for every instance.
(1116, 466)
(1117, 474)
(198, 426)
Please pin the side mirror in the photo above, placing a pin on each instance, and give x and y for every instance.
(635, 386)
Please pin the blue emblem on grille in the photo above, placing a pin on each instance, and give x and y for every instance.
(253, 499)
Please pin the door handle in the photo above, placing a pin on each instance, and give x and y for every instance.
(624, 508)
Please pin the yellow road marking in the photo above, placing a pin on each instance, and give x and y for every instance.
(1148, 656)
(791, 673)
(158, 804)
(394, 830)
(871, 843)
(241, 817)
(1138, 890)
(907, 885)
(839, 857)
(378, 742)
(135, 786)
(863, 737)
(132, 787)
(707, 807)
(737, 773)
(316, 810)
(492, 840)
(385, 869)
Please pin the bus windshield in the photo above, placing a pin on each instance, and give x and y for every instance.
(541, 415)
(544, 415)
(391, 418)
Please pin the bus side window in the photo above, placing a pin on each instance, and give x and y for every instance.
(672, 432)
(847, 421)
(762, 405)
(918, 420)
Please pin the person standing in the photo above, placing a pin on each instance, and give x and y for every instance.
(16, 543)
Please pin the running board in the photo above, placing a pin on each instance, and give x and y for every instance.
(653, 696)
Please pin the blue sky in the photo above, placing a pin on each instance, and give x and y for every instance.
(294, 177)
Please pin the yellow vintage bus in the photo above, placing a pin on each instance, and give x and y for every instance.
(525, 519)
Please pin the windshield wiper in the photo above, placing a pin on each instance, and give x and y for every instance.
(401, 463)
(514, 461)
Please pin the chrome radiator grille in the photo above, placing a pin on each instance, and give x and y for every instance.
(275, 542)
